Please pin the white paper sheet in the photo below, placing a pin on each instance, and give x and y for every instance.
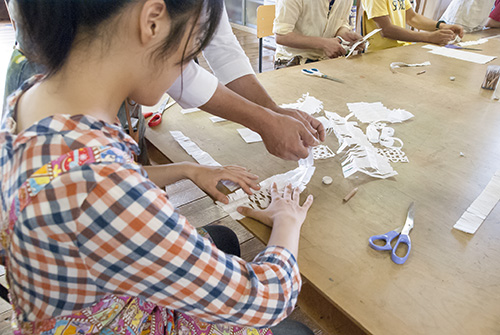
(460, 54)
(249, 136)
(477, 212)
(199, 155)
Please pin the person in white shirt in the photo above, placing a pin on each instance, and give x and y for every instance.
(309, 30)
(237, 95)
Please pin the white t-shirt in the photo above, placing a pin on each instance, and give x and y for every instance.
(309, 18)
(196, 86)
(471, 14)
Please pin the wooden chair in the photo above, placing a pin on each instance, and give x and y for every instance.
(265, 19)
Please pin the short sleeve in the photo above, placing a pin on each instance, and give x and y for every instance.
(495, 13)
(287, 14)
(376, 8)
(407, 4)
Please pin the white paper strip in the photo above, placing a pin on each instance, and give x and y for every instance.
(249, 136)
(373, 112)
(307, 104)
(460, 54)
(199, 155)
(477, 212)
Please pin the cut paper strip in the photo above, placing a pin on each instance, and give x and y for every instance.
(460, 54)
(397, 65)
(373, 112)
(249, 136)
(298, 177)
(307, 104)
(479, 210)
(471, 43)
(190, 110)
(322, 152)
(199, 155)
(216, 119)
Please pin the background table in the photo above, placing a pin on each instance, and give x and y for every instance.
(451, 281)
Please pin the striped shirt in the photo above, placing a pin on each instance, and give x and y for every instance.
(104, 229)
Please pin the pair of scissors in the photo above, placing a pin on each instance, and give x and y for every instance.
(403, 238)
(454, 46)
(157, 117)
(317, 73)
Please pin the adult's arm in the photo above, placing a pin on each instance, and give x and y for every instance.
(494, 18)
(423, 23)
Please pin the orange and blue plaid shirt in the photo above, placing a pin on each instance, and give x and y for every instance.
(99, 232)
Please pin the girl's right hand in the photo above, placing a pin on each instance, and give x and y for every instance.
(283, 208)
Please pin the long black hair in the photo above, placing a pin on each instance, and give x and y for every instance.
(51, 26)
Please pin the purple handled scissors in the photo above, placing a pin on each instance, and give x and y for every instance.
(403, 238)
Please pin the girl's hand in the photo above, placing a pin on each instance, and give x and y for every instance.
(284, 208)
(207, 178)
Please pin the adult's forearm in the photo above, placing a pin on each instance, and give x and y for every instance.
(285, 235)
(250, 88)
(231, 106)
(492, 23)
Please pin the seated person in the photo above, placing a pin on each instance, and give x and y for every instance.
(393, 16)
(494, 18)
(307, 30)
(470, 14)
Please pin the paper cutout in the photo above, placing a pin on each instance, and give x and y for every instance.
(216, 119)
(459, 54)
(373, 112)
(309, 160)
(397, 65)
(322, 152)
(299, 177)
(471, 43)
(190, 110)
(199, 155)
(307, 104)
(479, 210)
(394, 155)
(360, 155)
(249, 136)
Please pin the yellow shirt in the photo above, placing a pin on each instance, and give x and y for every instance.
(395, 9)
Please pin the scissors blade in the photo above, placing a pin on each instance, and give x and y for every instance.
(409, 220)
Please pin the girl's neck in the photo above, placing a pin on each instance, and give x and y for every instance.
(84, 86)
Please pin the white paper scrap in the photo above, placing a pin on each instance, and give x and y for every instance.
(471, 43)
(477, 212)
(249, 136)
(199, 155)
(216, 119)
(190, 110)
(460, 54)
(307, 104)
(373, 112)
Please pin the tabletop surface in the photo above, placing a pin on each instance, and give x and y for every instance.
(451, 281)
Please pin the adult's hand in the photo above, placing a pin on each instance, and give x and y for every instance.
(286, 137)
(314, 126)
(333, 48)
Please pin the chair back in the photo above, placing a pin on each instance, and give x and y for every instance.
(265, 20)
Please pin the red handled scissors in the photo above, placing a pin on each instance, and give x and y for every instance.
(157, 117)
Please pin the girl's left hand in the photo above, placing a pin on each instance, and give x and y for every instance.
(207, 178)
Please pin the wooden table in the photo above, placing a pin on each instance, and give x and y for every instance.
(451, 281)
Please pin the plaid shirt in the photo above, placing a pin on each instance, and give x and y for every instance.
(105, 229)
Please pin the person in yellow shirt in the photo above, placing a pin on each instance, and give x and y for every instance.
(393, 15)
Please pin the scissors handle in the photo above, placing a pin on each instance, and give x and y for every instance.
(403, 239)
(387, 238)
(155, 120)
